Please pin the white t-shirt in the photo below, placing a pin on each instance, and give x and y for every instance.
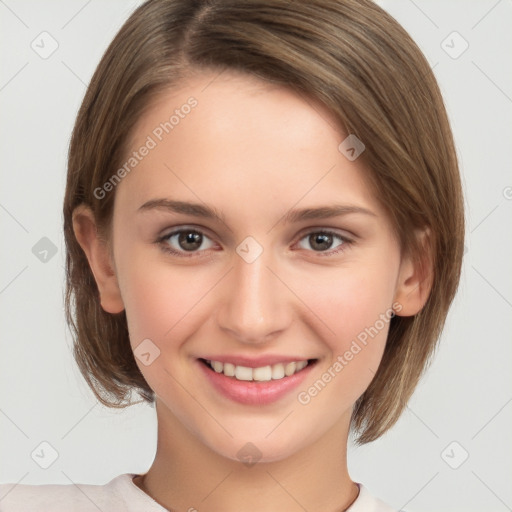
(119, 495)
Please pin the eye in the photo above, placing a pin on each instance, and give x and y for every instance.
(323, 239)
(183, 241)
(188, 242)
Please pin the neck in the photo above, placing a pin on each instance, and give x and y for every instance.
(187, 475)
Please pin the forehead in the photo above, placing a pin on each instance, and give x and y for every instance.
(232, 139)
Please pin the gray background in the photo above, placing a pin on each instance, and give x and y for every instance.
(461, 407)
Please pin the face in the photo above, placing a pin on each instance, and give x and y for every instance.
(257, 275)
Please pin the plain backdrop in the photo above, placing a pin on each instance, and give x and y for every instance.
(450, 451)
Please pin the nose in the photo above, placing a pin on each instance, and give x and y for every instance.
(255, 304)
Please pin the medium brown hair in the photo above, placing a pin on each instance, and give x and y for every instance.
(351, 56)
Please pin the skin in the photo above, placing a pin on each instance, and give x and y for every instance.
(253, 151)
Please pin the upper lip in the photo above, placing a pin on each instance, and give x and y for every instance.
(255, 362)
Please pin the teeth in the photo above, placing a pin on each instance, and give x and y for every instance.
(277, 371)
(229, 369)
(301, 364)
(217, 366)
(262, 374)
(289, 369)
(243, 373)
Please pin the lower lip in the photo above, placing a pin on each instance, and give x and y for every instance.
(254, 392)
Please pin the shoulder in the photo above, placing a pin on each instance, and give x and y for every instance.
(366, 502)
(120, 494)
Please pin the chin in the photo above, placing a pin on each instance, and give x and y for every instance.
(257, 449)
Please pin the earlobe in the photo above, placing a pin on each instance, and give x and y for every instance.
(96, 250)
(415, 278)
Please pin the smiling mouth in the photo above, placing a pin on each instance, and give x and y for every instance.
(261, 374)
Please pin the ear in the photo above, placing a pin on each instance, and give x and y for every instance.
(100, 260)
(415, 276)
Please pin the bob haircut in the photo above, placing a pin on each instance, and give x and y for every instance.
(351, 56)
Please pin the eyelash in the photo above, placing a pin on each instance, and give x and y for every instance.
(167, 249)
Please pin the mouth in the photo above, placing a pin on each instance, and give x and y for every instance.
(256, 385)
(265, 373)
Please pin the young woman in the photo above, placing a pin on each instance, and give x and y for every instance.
(264, 226)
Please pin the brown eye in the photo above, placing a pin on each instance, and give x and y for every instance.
(190, 240)
(184, 241)
(322, 242)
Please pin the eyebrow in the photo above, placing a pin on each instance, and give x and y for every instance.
(208, 212)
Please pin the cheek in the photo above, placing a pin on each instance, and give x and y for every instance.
(157, 297)
(356, 308)
(160, 304)
(351, 300)
(165, 304)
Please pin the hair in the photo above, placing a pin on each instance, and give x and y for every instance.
(355, 59)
